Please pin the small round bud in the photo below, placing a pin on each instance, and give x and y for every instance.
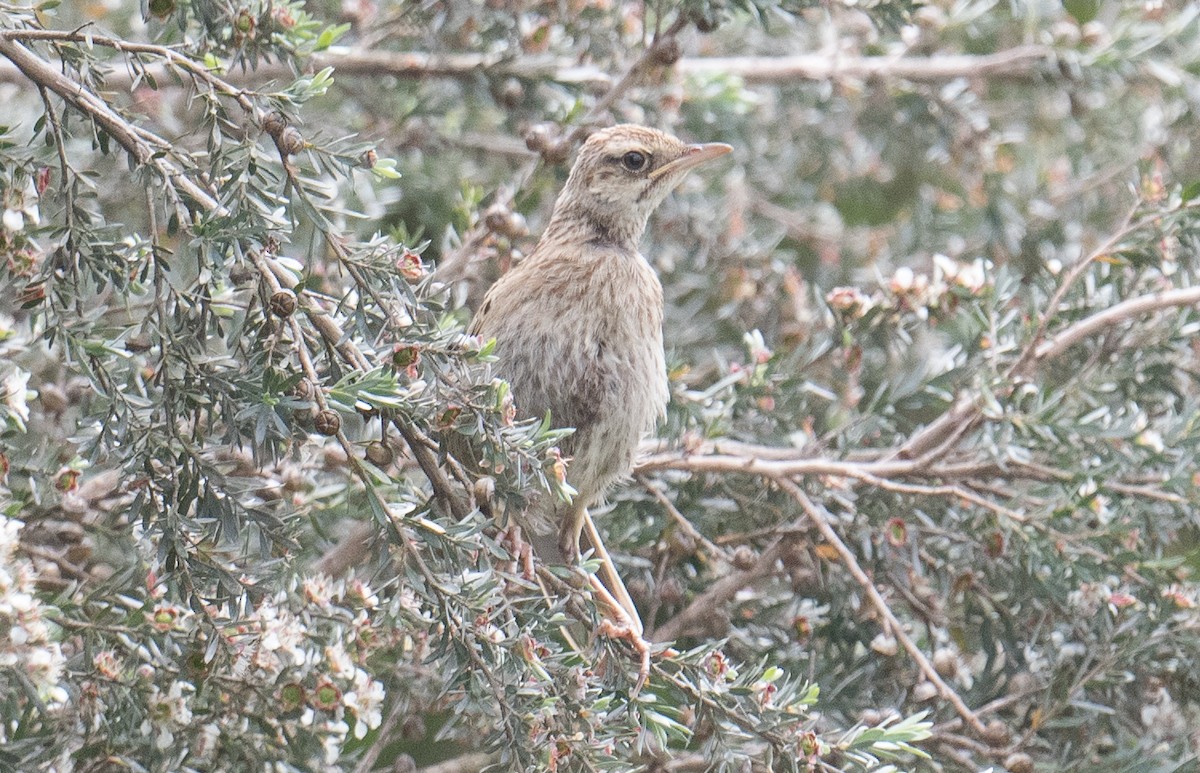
(1021, 682)
(504, 221)
(680, 544)
(303, 389)
(380, 455)
(1019, 763)
(666, 52)
(1094, 33)
(283, 18)
(509, 93)
(557, 153)
(291, 141)
(945, 662)
(539, 136)
(924, 692)
(997, 734)
(244, 23)
(885, 644)
(283, 303)
(546, 140)
(327, 423)
(274, 123)
(484, 491)
(744, 558)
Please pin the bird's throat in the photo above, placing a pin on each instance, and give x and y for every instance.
(620, 230)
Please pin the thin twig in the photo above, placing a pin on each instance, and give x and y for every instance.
(715, 550)
(821, 520)
(697, 614)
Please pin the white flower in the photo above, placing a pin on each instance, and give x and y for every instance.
(361, 591)
(318, 590)
(10, 537)
(16, 395)
(20, 207)
(903, 280)
(282, 633)
(849, 301)
(973, 277)
(333, 742)
(365, 701)
(1151, 439)
(14, 220)
(166, 712)
(339, 660)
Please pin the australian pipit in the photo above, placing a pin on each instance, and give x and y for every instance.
(578, 323)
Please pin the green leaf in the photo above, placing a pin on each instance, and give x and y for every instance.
(1082, 11)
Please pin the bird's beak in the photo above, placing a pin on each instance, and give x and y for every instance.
(693, 155)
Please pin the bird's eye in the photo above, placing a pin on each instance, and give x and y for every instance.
(634, 161)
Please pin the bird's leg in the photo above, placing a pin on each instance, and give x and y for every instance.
(624, 621)
(568, 533)
(612, 578)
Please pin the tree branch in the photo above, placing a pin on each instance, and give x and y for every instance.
(1101, 320)
(718, 594)
(1021, 63)
(821, 520)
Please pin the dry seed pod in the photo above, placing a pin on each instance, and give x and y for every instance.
(744, 558)
(997, 734)
(667, 52)
(274, 123)
(327, 422)
(380, 455)
(283, 303)
(1019, 763)
(291, 141)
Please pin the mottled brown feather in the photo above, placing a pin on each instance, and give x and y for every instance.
(578, 323)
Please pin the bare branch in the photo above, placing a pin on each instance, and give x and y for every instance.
(1123, 311)
(821, 520)
(1021, 63)
(699, 612)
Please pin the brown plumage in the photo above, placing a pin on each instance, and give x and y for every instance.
(578, 323)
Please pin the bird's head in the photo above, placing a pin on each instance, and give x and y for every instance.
(621, 174)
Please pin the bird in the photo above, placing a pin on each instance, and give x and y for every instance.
(578, 325)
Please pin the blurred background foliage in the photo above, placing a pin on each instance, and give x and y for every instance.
(931, 336)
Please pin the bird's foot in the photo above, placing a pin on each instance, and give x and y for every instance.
(615, 630)
(621, 626)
